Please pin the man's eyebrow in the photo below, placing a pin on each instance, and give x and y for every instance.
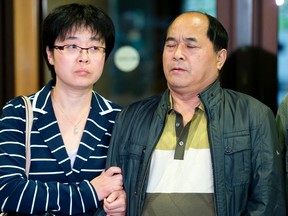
(188, 39)
(170, 39)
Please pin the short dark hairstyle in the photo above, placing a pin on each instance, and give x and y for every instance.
(217, 34)
(66, 18)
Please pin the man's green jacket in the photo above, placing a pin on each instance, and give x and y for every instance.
(246, 160)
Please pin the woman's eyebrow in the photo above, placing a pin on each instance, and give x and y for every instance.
(71, 38)
(96, 38)
(93, 38)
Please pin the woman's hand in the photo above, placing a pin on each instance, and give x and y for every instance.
(108, 182)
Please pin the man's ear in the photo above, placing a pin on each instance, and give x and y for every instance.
(50, 55)
(221, 58)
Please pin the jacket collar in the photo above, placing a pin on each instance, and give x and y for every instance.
(41, 102)
(45, 123)
(212, 94)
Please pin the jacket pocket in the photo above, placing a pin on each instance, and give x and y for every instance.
(237, 159)
(131, 160)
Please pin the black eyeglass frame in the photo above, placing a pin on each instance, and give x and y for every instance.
(78, 47)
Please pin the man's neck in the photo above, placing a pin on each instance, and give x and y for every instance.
(185, 104)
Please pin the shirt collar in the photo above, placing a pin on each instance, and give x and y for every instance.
(171, 110)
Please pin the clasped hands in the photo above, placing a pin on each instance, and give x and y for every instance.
(109, 188)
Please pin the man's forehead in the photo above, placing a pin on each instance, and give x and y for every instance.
(186, 33)
(190, 20)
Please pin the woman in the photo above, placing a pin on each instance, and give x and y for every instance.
(71, 128)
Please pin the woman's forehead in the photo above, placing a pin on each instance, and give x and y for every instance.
(77, 29)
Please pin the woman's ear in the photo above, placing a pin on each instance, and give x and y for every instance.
(50, 55)
(221, 58)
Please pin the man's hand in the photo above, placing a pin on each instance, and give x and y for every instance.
(115, 203)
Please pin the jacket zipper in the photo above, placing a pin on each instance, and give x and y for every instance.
(212, 154)
(148, 165)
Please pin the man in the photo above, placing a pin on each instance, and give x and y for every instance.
(282, 126)
(198, 149)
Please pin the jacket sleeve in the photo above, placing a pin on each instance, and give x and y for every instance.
(282, 126)
(17, 194)
(113, 151)
(113, 154)
(267, 187)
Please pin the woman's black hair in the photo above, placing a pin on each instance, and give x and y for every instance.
(67, 18)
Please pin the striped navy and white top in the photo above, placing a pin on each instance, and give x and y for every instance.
(53, 185)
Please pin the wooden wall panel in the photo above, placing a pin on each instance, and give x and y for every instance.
(265, 26)
(26, 47)
(6, 52)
